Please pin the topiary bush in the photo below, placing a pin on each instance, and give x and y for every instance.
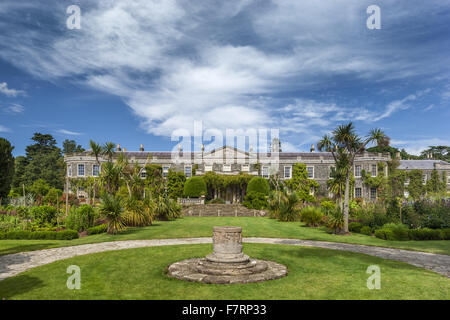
(312, 216)
(255, 200)
(355, 227)
(194, 187)
(258, 184)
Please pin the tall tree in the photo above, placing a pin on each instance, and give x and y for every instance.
(6, 167)
(345, 144)
(108, 150)
(96, 151)
(437, 152)
(70, 146)
(43, 160)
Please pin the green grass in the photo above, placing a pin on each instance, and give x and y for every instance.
(202, 227)
(314, 273)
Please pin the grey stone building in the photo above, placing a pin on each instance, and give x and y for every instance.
(231, 161)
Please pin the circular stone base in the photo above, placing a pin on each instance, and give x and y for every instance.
(205, 271)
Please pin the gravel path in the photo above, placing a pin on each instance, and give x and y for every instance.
(16, 263)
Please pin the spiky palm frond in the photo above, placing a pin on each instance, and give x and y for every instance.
(112, 209)
(108, 150)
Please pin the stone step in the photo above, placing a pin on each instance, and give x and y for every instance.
(221, 210)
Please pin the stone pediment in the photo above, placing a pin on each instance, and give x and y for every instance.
(225, 153)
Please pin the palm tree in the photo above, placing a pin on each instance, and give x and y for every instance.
(345, 144)
(96, 150)
(112, 209)
(108, 150)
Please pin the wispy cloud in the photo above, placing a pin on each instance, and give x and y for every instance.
(15, 108)
(68, 132)
(9, 92)
(234, 64)
(4, 129)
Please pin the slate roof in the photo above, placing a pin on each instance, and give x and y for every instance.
(420, 164)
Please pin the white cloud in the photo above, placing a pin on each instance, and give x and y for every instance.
(68, 132)
(4, 129)
(15, 108)
(417, 146)
(228, 63)
(9, 92)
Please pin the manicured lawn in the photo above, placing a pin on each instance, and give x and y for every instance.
(314, 273)
(202, 227)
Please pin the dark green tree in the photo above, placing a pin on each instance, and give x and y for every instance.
(175, 184)
(70, 146)
(6, 167)
(43, 160)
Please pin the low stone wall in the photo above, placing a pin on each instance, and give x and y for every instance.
(221, 210)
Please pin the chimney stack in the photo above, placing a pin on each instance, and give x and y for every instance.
(312, 148)
(397, 155)
(118, 148)
(141, 148)
(124, 149)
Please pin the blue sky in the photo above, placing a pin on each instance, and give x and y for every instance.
(138, 71)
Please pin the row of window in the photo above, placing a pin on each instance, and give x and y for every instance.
(265, 172)
(373, 193)
(358, 170)
(81, 170)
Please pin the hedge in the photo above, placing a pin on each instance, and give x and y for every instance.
(424, 234)
(414, 234)
(194, 187)
(355, 227)
(366, 230)
(98, 229)
(41, 235)
(258, 184)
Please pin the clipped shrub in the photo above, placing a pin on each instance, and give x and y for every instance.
(98, 229)
(445, 234)
(42, 235)
(312, 216)
(258, 184)
(194, 187)
(66, 235)
(255, 200)
(385, 234)
(366, 230)
(355, 227)
(81, 218)
(425, 234)
(399, 231)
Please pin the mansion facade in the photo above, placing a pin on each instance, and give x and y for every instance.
(231, 161)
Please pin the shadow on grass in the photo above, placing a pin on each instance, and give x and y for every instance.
(339, 258)
(11, 287)
(24, 248)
